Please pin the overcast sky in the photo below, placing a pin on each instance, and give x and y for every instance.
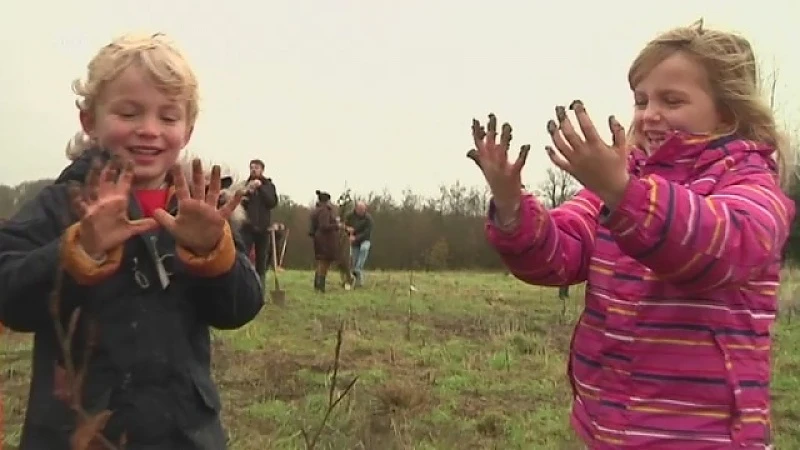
(371, 93)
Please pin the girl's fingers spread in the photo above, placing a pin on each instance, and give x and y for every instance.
(198, 190)
(478, 134)
(505, 136)
(552, 127)
(560, 143)
(473, 155)
(522, 157)
(584, 122)
(560, 162)
(491, 130)
(179, 180)
(617, 133)
(568, 130)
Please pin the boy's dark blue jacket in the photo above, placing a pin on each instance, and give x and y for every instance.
(150, 363)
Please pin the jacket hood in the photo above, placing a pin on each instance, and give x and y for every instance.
(701, 150)
(78, 169)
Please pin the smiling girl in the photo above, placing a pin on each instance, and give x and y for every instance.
(678, 236)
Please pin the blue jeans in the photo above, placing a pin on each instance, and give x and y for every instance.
(358, 255)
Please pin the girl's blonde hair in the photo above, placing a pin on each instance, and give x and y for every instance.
(733, 77)
(157, 55)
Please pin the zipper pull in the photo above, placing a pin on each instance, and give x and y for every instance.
(163, 277)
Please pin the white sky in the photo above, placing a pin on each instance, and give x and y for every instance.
(372, 93)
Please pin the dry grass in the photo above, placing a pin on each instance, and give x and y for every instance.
(468, 361)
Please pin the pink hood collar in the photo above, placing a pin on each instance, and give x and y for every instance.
(701, 150)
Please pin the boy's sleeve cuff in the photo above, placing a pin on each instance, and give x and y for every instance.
(80, 266)
(219, 262)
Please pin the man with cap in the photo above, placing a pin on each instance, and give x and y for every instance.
(324, 231)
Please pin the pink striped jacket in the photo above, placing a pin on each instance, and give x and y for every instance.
(672, 350)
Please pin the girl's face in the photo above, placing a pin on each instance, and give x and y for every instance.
(674, 96)
(136, 121)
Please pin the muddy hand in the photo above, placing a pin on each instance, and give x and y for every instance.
(601, 168)
(102, 206)
(199, 224)
(473, 155)
(503, 177)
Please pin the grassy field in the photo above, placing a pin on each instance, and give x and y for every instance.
(463, 361)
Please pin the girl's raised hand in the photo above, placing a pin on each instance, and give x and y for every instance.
(199, 224)
(503, 176)
(601, 168)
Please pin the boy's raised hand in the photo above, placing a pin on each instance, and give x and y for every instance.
(503, 176)
(199, 224)
(102, 205)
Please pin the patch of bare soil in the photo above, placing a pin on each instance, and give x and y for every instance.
(380, 420)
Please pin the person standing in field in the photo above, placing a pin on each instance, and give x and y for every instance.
(324, 231)
(678, 236)
(260, 199)
(148, 257)
(359, 225)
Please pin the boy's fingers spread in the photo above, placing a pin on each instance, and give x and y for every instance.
(126, 177)
(93, 177)
(164, 219)
(232, 204)
(212, 190)
(198, 188)
(179, 181)
(140, 226)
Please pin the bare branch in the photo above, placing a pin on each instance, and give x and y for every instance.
(312, 440)
(558, 187)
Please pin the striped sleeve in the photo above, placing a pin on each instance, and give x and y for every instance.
(704, 242)
(549, 248)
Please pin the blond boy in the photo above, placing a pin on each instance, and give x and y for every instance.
(148, 258)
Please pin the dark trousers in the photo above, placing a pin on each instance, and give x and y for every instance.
(261, 241)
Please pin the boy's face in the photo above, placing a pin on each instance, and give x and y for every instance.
(136, 121)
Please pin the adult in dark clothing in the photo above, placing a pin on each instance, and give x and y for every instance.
(147, 298)
(259, 201)
(359, 224)
(325, 228)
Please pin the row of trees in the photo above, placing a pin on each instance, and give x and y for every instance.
(423, 233)
(412, 231)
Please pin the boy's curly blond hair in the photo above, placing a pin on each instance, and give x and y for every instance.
(157, 55)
